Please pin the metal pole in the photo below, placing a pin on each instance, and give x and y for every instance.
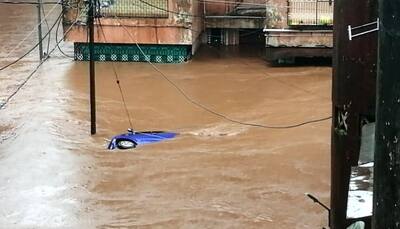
(387, 152)
(92, 68)
(39, 6)
(316, 12)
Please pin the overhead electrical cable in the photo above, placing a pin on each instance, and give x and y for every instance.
(60, 2)
(31, 32)
(48, 28)
(255, 31)
(206, 108)
(204, 16)
(35, 28)
(33, 48)
(233, 3)
(56, 36)
(202, 1)
(117, 80)
(171, 11)
(7, 100)
(58, 42)
(28, 3)
(198, 31)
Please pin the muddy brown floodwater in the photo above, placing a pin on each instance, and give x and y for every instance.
(215, 174)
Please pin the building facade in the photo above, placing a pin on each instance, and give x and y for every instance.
(298, 28)
(165, 30)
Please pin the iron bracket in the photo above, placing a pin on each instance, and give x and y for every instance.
(357, 28)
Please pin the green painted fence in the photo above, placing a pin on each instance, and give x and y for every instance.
(131, 53)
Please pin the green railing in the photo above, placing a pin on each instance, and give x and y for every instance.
(131, 53)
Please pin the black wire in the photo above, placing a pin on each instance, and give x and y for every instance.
(28, 3)
(184, 14)
(58, 43)
(117, 80)
(33, 48)
(173, 12)
(48, 27)
(58, 27)
(22, 84)
(192, 15)
(31, 74)
(170, 11)
(204, 107)
(215, 36)
(36, 3)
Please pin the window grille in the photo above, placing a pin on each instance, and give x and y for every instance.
(310, 12)
(134, 8)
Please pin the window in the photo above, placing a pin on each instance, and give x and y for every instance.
(134, 8)
(310, 12)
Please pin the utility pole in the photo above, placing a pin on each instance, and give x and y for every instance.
(92, 68)
(39, 9)
(353, 98)
(387, 136)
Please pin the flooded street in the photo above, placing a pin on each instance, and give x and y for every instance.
(215, 174)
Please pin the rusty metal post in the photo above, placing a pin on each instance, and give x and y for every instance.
(387, 135)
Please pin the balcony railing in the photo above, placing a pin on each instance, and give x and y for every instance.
(134, 8)
(310, 12)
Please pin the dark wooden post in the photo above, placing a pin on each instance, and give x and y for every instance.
(353, 96)
(387, 137)
(92, 68)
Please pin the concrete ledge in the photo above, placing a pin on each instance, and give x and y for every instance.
(274, 53)
(234, 22)
(298, 38)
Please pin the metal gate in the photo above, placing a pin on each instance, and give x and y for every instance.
(134, 8)
(310, 12)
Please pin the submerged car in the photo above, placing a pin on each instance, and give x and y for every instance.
(132, 139)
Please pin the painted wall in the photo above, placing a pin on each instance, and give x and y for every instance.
(183, 26)
(218, 8)
(276, 14)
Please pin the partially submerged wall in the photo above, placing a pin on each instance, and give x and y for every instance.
(284, 39)
(182, 26)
